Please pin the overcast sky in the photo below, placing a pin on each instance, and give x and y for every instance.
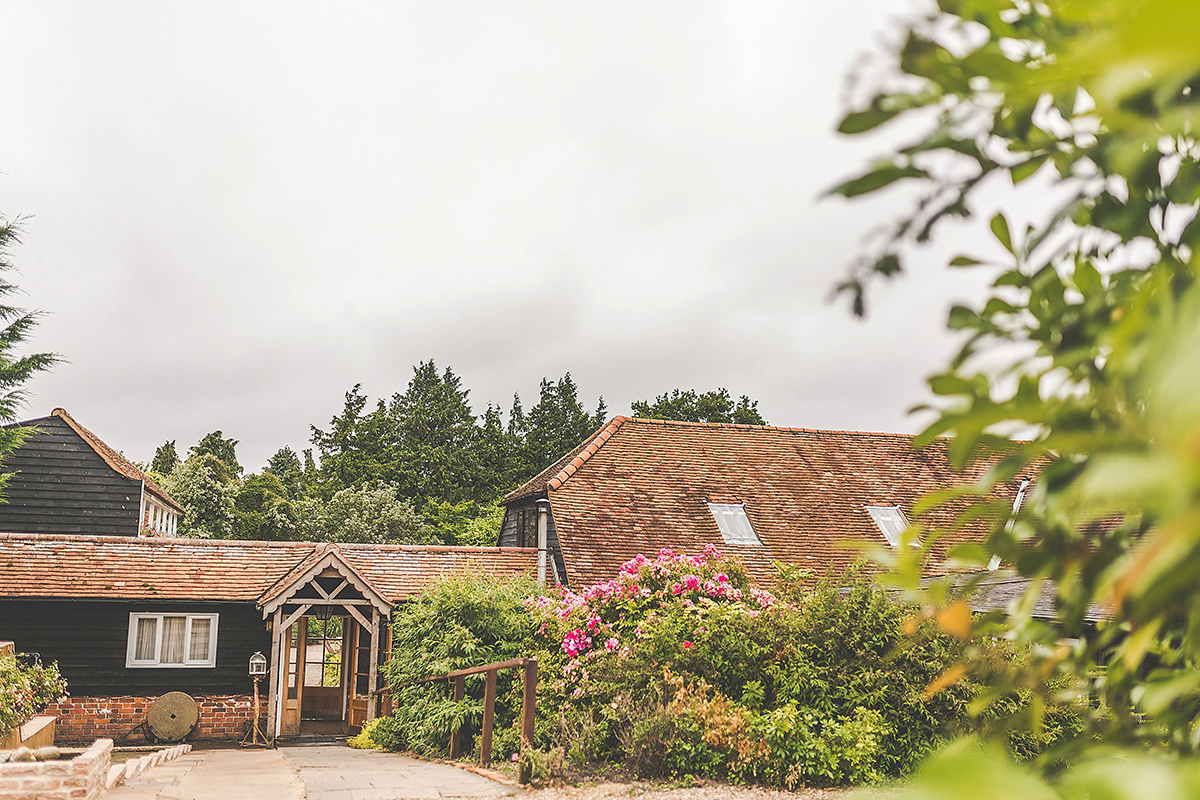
(237, 211)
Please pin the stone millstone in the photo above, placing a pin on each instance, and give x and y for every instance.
(172, 716)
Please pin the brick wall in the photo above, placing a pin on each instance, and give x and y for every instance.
(80, 778)
(82, 719)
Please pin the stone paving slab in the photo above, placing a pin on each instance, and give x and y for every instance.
(337, 772)
(216, 775)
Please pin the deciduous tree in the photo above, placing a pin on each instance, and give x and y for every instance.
(691, 406)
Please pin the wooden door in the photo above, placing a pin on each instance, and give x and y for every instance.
(293, 676)
(359, 675)
(323, 673)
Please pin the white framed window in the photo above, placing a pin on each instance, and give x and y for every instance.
(735, 526)
(891, 523)
(171, 640)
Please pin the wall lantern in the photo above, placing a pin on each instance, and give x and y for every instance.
(258, 664)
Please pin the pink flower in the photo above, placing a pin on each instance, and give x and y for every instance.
(612, 644)
(515, 757)
(687, 645)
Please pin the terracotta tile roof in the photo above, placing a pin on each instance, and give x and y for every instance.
(402, 571)
(537, 484)
(638, 485)
(114, 459)
(130, 568)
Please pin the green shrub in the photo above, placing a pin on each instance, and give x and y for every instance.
(678, 667)
(459, 622)
(364, 740)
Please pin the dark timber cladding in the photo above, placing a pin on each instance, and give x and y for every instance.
(88, 639)
(519, 529)
(63, 486)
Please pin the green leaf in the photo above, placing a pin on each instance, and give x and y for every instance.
(1158, 696)
(1000, 231)
(876, 179)
(887, 266)
(870, 118)
(964, 261)
(961, 317)
(1027, 168)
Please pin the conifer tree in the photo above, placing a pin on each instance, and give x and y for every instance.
(15, 369)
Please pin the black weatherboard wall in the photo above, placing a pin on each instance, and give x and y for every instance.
(89, 638)
(63, 486)
(519, 529)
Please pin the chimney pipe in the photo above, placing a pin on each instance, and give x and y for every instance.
(543, 528)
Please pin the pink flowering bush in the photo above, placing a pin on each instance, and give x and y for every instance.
(25, 690)
(679, 666)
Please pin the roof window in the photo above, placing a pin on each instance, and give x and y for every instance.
(734, 524)
(891, 522)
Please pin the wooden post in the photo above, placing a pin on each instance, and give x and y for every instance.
(456, 737)
(489, 714)
(273, 698)
(255, 729)
(373, 674)
(528, 716)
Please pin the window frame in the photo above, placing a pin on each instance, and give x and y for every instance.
(875, 518)
(156, 662)
(716, 510)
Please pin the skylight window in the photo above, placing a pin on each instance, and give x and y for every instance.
(734, 524)
(891, 522)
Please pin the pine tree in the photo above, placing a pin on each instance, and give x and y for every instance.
(224, 450)
(285, 465)
(15, 369)
(436, 437)
(557, 423)
(358, 446)
(165, 459)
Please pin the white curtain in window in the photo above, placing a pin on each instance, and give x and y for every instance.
(147, 629)
(173, 635)
(198, 646)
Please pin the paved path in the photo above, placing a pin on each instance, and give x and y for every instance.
(337, 772)
(315, 772)
(216, 775)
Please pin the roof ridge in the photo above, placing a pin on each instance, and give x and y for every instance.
(114, 459)
(316, 556)
(594, 444)
(148, 541)
(784, 428)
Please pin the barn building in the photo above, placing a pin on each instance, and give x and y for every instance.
(69, 481)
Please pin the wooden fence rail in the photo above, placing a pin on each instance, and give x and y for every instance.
(528, 705)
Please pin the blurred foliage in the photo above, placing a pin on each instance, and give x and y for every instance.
(1083, 362)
